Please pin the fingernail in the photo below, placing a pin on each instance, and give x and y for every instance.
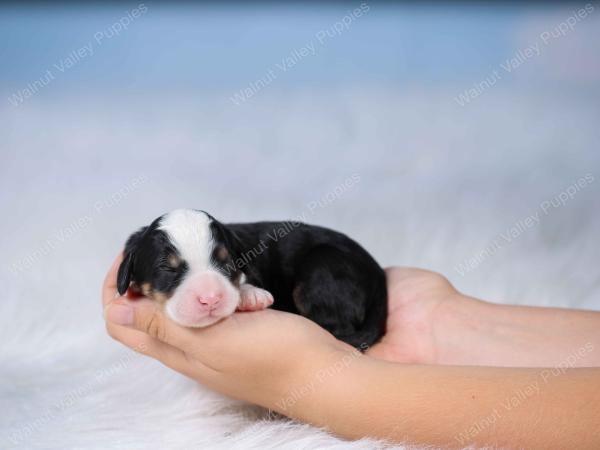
(120, 314)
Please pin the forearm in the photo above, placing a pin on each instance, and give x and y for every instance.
(456, 406)
(473, 332)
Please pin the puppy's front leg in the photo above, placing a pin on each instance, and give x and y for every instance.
(253, 298)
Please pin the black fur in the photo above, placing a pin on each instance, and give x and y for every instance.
(145, 261)
(318, 273)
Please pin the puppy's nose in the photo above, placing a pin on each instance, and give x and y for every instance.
(209, 301)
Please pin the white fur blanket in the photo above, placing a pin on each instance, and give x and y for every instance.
(490, 195)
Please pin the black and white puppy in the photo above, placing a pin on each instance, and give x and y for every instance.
(202, 270)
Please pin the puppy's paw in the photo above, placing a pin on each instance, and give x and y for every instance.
(253, 298)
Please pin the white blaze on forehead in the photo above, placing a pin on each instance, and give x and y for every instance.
(189, 232)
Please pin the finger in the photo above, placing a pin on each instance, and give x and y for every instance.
(143, 343)
(384, 353)
(144, 315)
(109, 287)
(170, 356)
(135, 340)
(378, 350)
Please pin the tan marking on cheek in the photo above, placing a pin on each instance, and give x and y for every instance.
(146, 289)
(159, 297)
(153, 294)
(174, 261)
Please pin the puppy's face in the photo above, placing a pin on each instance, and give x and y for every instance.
(184, 260)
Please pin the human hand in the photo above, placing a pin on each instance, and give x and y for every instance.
(414, 300)
(253, 356)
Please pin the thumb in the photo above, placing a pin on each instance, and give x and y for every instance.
(143, 315)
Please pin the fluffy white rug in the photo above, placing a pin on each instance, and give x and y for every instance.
(440, 186)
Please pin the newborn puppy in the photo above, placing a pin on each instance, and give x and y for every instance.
(201, 271)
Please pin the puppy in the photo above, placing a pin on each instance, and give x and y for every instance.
(202, 270)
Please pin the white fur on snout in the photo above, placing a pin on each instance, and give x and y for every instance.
(183, 307)
(190, 233)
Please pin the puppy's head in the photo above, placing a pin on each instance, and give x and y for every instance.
(184, 260)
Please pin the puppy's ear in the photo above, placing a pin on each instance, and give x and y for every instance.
(126, 267)
(124, 275)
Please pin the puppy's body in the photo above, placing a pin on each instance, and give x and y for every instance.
(320, 274)
(203, 270)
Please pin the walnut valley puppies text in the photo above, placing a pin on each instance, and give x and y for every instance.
(296, 55)
(78, 54)
(524, 224)
(513, 62)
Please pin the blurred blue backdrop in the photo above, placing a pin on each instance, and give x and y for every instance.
(224, 47)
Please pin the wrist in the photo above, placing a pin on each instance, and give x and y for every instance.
(346, 392)
(301, 391)
(461, 328)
